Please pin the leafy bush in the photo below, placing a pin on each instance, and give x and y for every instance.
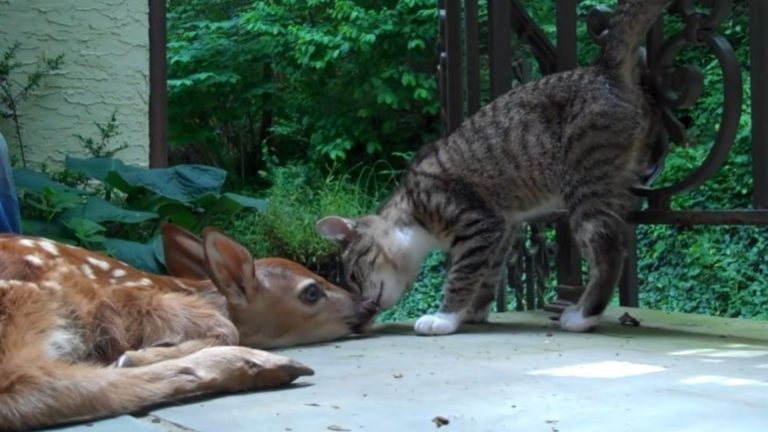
(259, 85)
(299, 196)
(710, 270)
(12, 93)
(300, 80)
(425, 294)
(120, 208)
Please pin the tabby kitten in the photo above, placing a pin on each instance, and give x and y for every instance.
(575, 139)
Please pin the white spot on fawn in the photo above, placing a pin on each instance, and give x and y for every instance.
(10, 283)
(87, 271)
(118, 273)
(51, 285)
(27, 242)
(35, 260)
(143, 282)
(59, 271)
(49, 247)
(98, 263)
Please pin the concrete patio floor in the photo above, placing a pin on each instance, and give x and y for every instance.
(520, 373)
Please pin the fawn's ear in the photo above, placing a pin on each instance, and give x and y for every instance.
(336, 229)
(230, 266)
(184, 255)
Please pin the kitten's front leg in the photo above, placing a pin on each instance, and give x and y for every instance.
(473, 260)
(481, 304)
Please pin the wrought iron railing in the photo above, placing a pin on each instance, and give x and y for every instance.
(672, 87)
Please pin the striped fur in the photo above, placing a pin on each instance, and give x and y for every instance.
(573, 139)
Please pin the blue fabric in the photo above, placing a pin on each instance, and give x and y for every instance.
(10, 219)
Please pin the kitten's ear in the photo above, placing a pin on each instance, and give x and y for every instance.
(336, 229)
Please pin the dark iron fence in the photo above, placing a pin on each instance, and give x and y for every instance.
(465, 55)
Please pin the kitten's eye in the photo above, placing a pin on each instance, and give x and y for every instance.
(311, 294)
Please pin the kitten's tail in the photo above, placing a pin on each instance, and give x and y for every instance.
(628, 27)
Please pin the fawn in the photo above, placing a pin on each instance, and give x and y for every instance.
(66, 313)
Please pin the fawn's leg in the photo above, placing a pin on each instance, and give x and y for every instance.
(45, 392)
(183, 325)
(167, 351)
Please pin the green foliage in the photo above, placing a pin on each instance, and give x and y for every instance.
(102, 146)
(13, 91)
(300, 80)
(298, 197)
(711, 270)
(272, 91)
(425, 294)
(123, 214)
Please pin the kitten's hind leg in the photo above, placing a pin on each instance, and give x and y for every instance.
(601, 233)
(473, 252)
(481, 304)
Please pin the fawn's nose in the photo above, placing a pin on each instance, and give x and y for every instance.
(369, 306)
(366, 311)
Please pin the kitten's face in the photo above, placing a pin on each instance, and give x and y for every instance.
(369, 267)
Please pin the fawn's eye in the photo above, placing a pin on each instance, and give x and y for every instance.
(311, 294)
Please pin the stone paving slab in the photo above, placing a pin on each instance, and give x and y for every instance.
(124, 423)
(520, 373)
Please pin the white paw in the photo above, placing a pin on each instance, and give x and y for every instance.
(572, 320)
(478, 316)
(438, 324)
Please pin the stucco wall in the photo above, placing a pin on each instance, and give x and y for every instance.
(106, 68)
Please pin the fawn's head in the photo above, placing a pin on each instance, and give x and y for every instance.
(273, 302)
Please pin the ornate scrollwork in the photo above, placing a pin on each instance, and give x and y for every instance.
(530, 266)
(672, 86)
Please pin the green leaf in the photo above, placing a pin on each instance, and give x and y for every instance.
(99, 210)
(178, 213)
(259, 204)
(159, 250)
(35, 182)
(87, 231)
(61, 200)
(184, 183)
(139, 255)
(50, 230)
(96, 168)
(416, 43)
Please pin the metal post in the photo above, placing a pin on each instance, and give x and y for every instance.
(473, 56)
(158, 118)
(453, 83)
(566, 34)
(499, 14)
(568, 257)
(628, 291)
(758, 49)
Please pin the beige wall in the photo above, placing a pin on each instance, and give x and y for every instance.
(106, 67)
